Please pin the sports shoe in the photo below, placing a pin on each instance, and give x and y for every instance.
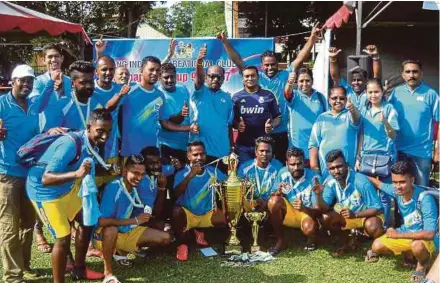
(86, 274)
(200, 238)
(182, 253)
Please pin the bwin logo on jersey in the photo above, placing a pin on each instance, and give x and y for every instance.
(251, 110)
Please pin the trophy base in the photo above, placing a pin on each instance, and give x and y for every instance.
(233, 249)
(255, 249)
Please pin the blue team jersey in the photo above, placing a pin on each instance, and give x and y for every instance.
(276, 85)
(255, 109)
(141, 111)
(358, 195)
(303, 188)
(358, 100)
(51, 115)
(213, 112)
(115, 203)
(57, 157)
(303, 112)
(173, 105)
(334, 132)
(373, 130)
(21, 126)
(416, 217)
(104, 95)
(199, 197)
(71, 117)
(417, 110)
(262, 178)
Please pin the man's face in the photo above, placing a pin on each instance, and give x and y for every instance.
(402, 183)
(263, 153)
(105, 71)
(84, 85)
(153, 165)
(122, 75)
(99, 131)
(151, 72)
(53, 60)
(196, 155)
(295, 165)
(214, 78)
(305, 83)
(270, 66)
(22, 87)
(338, 169)
(358, 83)
(168, 80)
(412, 74)
(337, 99)
(250, 78)
(134, 174)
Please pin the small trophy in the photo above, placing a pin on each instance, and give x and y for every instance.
(147, 209)
(255, 217)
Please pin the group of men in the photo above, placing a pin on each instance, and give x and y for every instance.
(154, 142)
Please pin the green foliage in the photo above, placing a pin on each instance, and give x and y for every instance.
(209, 19)
(159, 20)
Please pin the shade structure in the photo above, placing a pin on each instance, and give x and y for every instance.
(14, 16)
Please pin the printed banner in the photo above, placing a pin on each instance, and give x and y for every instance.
(130, 52)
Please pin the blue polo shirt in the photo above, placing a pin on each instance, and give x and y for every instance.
(70, 114)
(255, 108)
(51, 116)
(21, 126)
(334, 132)
(57, 157)
(358, 195)
(417, 110)
(174, 102)
(104, 95)
(213, 112)
(198, 196)
(303, 188)
(115, 204)
(276, 85)
(358, 100)
(373, 130)
(303, 112)
(262, 178)
(141, 111)
(415, 217)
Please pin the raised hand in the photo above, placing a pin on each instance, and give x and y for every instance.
(241, 125)
(221, 36)
(333, 52)
(202, 52)
(297, 204)
(3, 131)
(292, 78)
(350, 106)
(58, 81)
(100, 45)
(185, 109)
(83, 170)
(317, 187)
(194, 128)
(172, 47)
(316, 32)
(371, 50)
(268, 126)
(125, 88)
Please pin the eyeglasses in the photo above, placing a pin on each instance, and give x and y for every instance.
(340, 98)
(411, 71)
(214, 76)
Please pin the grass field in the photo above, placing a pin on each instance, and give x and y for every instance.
(292, 265)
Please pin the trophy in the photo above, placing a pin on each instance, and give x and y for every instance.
(254, 217)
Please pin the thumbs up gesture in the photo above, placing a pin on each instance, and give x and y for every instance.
(297, 204)
(58, 80)
(194, 128)
(381, 116)
(268, 126)
(350, 106)
(185, 109)
(241, 125)
(3, 131)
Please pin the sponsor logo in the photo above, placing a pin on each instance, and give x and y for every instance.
(251, 110)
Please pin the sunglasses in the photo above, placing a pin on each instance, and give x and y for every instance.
(214, 76)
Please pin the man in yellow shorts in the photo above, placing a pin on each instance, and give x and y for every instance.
(53, 187)
(348, 201)
(195, 198)
(295, 204)
(121, 222)
(414, 238)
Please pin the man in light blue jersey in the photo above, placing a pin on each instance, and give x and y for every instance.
(419, 210)
(274, 80)
(356, 88)
(196, 203)
(141, 109)
(213, 110)
(417, 105)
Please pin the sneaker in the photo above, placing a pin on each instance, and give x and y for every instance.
(200, 238)
(182, 253)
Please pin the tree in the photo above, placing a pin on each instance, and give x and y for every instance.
(209, 19)
(182, 15)
(159, 19)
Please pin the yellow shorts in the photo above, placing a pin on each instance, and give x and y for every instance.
(197, 221)
(358, 223)
(59, 213)
(126, 242)
(294, 218)
(397, 246)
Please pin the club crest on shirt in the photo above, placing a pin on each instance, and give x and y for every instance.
(261, 99)
(243, 101)
(223, 100)
(413, 218)
(355, 198)
(420, 98)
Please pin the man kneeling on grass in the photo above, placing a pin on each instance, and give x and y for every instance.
(348, 201)
(120, 223)
(414, 238)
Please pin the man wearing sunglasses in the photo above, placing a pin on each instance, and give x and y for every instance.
(417, 107)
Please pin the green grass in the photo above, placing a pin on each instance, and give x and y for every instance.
(292, 265)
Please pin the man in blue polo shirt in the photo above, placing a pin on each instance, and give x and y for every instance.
(417, 106)
(213, 110)
(256, 113)
(274, 80)
(141, 109)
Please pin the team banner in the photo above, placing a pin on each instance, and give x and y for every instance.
(130, 52)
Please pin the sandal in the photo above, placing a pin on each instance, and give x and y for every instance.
(44, 247)
(418, 276)
(123, 260)
(371, 257)
(111, 279)
(310, 247)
